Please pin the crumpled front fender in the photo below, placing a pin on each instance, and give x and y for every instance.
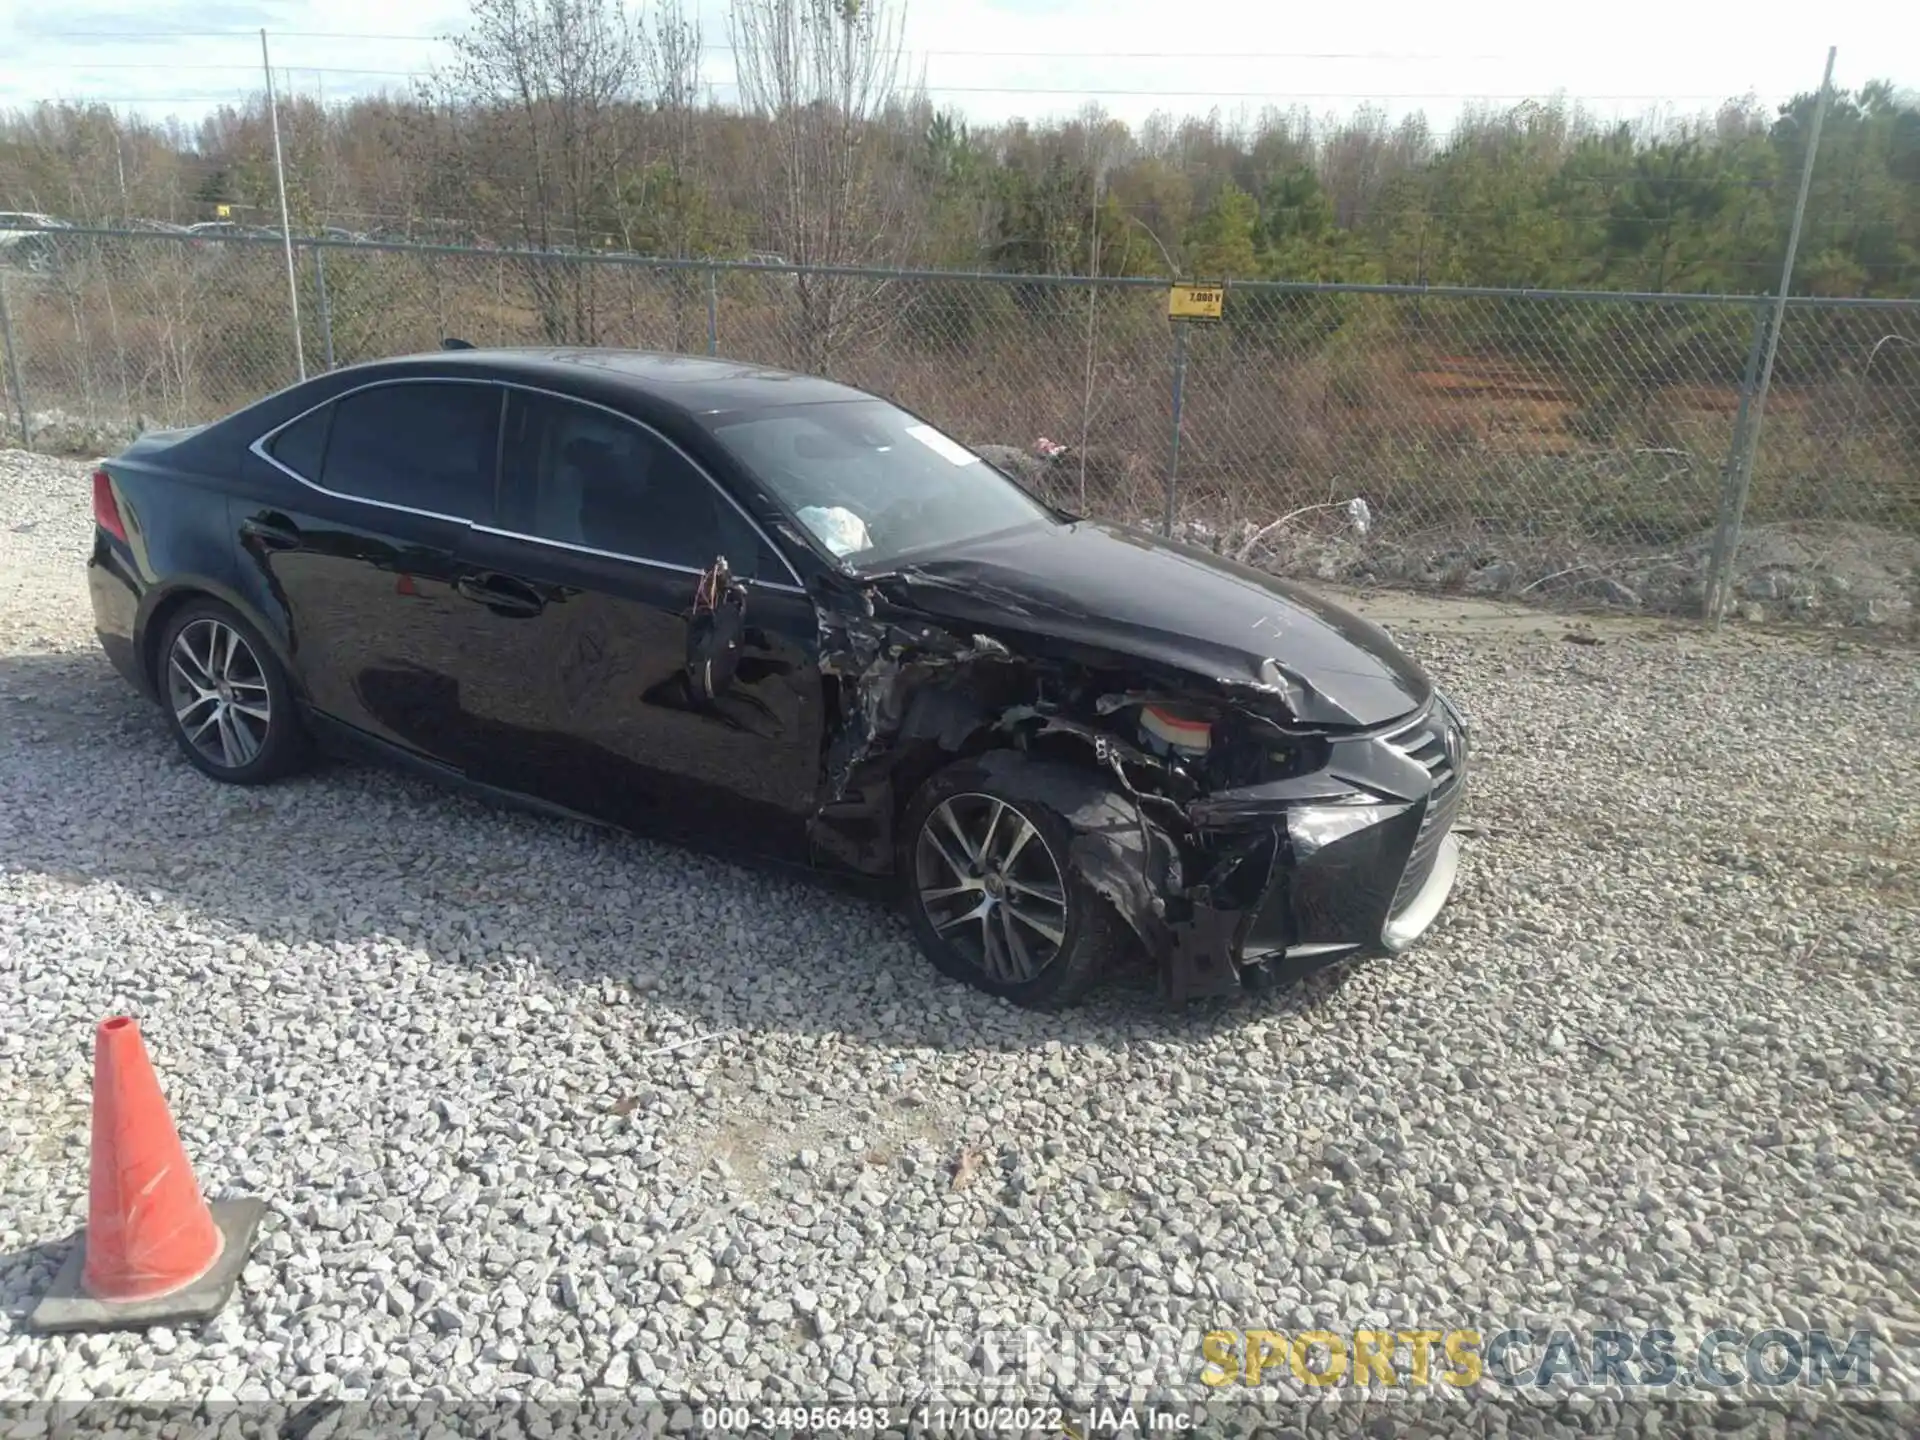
(1195, 942)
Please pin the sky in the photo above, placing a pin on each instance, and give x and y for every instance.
(995, 59)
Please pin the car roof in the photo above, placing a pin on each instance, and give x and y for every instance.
(695, 384)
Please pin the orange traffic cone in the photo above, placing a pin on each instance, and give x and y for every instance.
(154, 1252)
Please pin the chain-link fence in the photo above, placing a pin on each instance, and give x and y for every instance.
(1569, 447)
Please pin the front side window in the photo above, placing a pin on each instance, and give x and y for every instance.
(421, 445)
(578, 475)
(872, 482)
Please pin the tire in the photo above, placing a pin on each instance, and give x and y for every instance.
(227, 700)
(1026, 947)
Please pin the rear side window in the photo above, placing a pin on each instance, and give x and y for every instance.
(583, 476)
(302, 445)
(423, 445)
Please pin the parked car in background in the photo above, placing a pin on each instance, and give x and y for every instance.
(125, 246)
(26, 242)
(214, 231)
(211, 243)
(776, 615)
(772, 276)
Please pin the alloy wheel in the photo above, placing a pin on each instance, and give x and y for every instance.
(219, 693)
(991, 887)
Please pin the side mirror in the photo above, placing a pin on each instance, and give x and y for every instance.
(714, 632)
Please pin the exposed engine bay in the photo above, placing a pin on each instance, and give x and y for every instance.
(1234, 838)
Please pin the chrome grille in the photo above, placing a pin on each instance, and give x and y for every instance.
(1425, 741)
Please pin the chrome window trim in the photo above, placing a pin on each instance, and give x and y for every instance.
(629, 559)
(259, 448)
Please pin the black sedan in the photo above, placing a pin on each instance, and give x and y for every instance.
(766, 612)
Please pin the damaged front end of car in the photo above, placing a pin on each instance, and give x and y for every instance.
(1241, 835)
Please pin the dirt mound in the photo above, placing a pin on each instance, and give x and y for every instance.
(1838, 571)
(1832, 573)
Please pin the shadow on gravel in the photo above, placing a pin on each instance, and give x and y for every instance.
(94, 790)
(25, 1275)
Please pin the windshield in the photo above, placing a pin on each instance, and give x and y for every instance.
(873, 483)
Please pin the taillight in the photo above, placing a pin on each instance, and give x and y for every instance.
(106, 510)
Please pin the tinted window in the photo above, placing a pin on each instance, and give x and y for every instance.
(583, 476)
(872, 482)
(302, 444)
(426, 446)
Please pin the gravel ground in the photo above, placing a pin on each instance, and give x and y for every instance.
(542, 1111)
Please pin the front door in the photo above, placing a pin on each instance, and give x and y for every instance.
(584, 690)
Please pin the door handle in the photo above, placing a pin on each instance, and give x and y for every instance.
(501, 594)
(274, 532)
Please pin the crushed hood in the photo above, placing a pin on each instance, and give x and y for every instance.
(1182, 608)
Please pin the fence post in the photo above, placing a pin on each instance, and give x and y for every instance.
(326, 309)
(713, 311)
(286, 224)
(1720, 582)
(1179, 399)
(13, 365)
(1717, 566)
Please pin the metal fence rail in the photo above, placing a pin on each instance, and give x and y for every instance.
(1561, 446)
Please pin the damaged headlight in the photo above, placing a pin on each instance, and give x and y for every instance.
(1315, 827)
(1299, 757)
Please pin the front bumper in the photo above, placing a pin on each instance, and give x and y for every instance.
(1409, 924)
(1356, 858)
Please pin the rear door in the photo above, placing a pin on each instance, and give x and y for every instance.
(586, 584)
(363, 556)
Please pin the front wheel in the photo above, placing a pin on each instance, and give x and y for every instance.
(991, 894)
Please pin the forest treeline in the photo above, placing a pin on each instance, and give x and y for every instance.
(587, 125)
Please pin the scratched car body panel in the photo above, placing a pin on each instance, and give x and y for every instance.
(775, 615)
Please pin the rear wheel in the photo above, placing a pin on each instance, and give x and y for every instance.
(992, 896)
(228, 701)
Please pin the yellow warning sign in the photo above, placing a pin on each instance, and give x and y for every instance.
(1196, 302)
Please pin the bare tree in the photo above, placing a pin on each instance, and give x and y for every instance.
(670, 67)
(824, 76)
(1106, 141)
(564, 74)
(672, 196)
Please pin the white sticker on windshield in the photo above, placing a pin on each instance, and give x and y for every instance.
(951, 451)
